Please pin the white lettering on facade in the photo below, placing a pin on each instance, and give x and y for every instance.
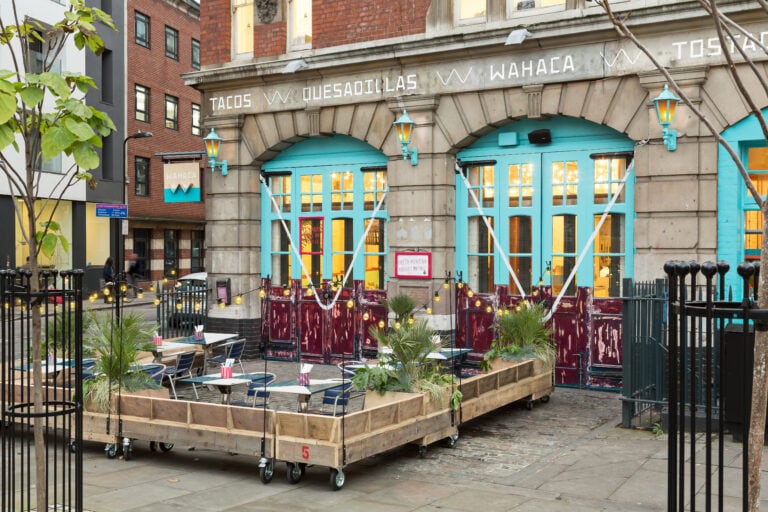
(711, 47)
(532, 68)
(354, 88)
(233, 101)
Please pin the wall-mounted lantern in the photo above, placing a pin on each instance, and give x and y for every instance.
(212, 145)
(666, 102)
(404, 127)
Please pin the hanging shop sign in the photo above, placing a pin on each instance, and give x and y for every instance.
(413, 265)
(182, 182)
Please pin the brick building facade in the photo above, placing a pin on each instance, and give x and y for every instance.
(163, 42)
(531, 114)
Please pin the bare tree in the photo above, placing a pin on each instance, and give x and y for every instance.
(44, 114)
(728, 31)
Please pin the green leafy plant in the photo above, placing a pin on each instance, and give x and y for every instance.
(116, 347)
(521, 334)
(402, 306)
(60, 334)
(657, 429)
(406, 367)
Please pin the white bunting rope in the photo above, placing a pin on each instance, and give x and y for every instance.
(294, 249)
(490, 230)
(592, 237)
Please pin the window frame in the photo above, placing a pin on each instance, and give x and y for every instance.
(172, 50)
(195, 53)
(197, 126)
(241, 28)
(141, 183)
(459, 21)
(292, 46)
(172, 123)
(137, 114)
(143, 19)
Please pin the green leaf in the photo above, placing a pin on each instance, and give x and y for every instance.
(55, 83)
(77, 108)
(7, 106)
(32, 96)
(6, 136)
(79, 129)
(79, 41)
(64, 243)
(55, 141)
(52, 225)
(48, 244)
(85, 156)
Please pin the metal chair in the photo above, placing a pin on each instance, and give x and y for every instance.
(335, 400)
(234, 351)
(155, 371)
(182, 368)
(256, 396)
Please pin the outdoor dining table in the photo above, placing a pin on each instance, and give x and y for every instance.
(304, 393)
(454, 357)
(207, 342)
(225, 385)
(167, 346)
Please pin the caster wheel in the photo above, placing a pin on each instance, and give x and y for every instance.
(337, 479)
(294, 473)
(529, 405)
(111, 450)
(166, 447)
(450, 441)
(267, 471)
(153, 446)
(127, 449)
(72, 447)
(422, 451)
(544, 399)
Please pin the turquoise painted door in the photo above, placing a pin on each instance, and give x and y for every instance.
(319, 205)
(542, 203)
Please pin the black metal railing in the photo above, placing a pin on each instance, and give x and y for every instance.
(179, 311)
(695, 327)
(41, 387)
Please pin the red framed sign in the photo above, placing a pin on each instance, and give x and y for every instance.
(413, 265)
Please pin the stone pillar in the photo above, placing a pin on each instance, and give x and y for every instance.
(421, 207)
(675, 192)
(233, 241)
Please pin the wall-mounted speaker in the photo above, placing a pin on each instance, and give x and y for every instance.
(540, 136)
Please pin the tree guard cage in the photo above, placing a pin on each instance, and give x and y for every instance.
(59, 365)
(712, 326)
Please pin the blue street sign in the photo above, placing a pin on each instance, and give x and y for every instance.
(115, 211)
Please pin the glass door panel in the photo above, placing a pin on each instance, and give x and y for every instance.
(563, 252)
(342, 247)
(311, 248)
(520, 249)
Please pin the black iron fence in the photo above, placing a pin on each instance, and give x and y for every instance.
(41, 368)
(179, 311)
(702, 332)
(644, 352)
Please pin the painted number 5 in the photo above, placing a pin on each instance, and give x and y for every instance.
(305, 452)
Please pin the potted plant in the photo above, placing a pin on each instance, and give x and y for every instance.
(521, 334)
(404, 364)
(60, 334)
(116, 348)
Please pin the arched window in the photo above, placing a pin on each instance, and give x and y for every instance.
(326, 190)
(542, 199)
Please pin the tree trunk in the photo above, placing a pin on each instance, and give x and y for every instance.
(759, 397)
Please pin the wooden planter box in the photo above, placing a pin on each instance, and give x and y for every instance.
(385, 422)
(391, 420)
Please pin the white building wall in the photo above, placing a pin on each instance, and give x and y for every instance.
(73, 60)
